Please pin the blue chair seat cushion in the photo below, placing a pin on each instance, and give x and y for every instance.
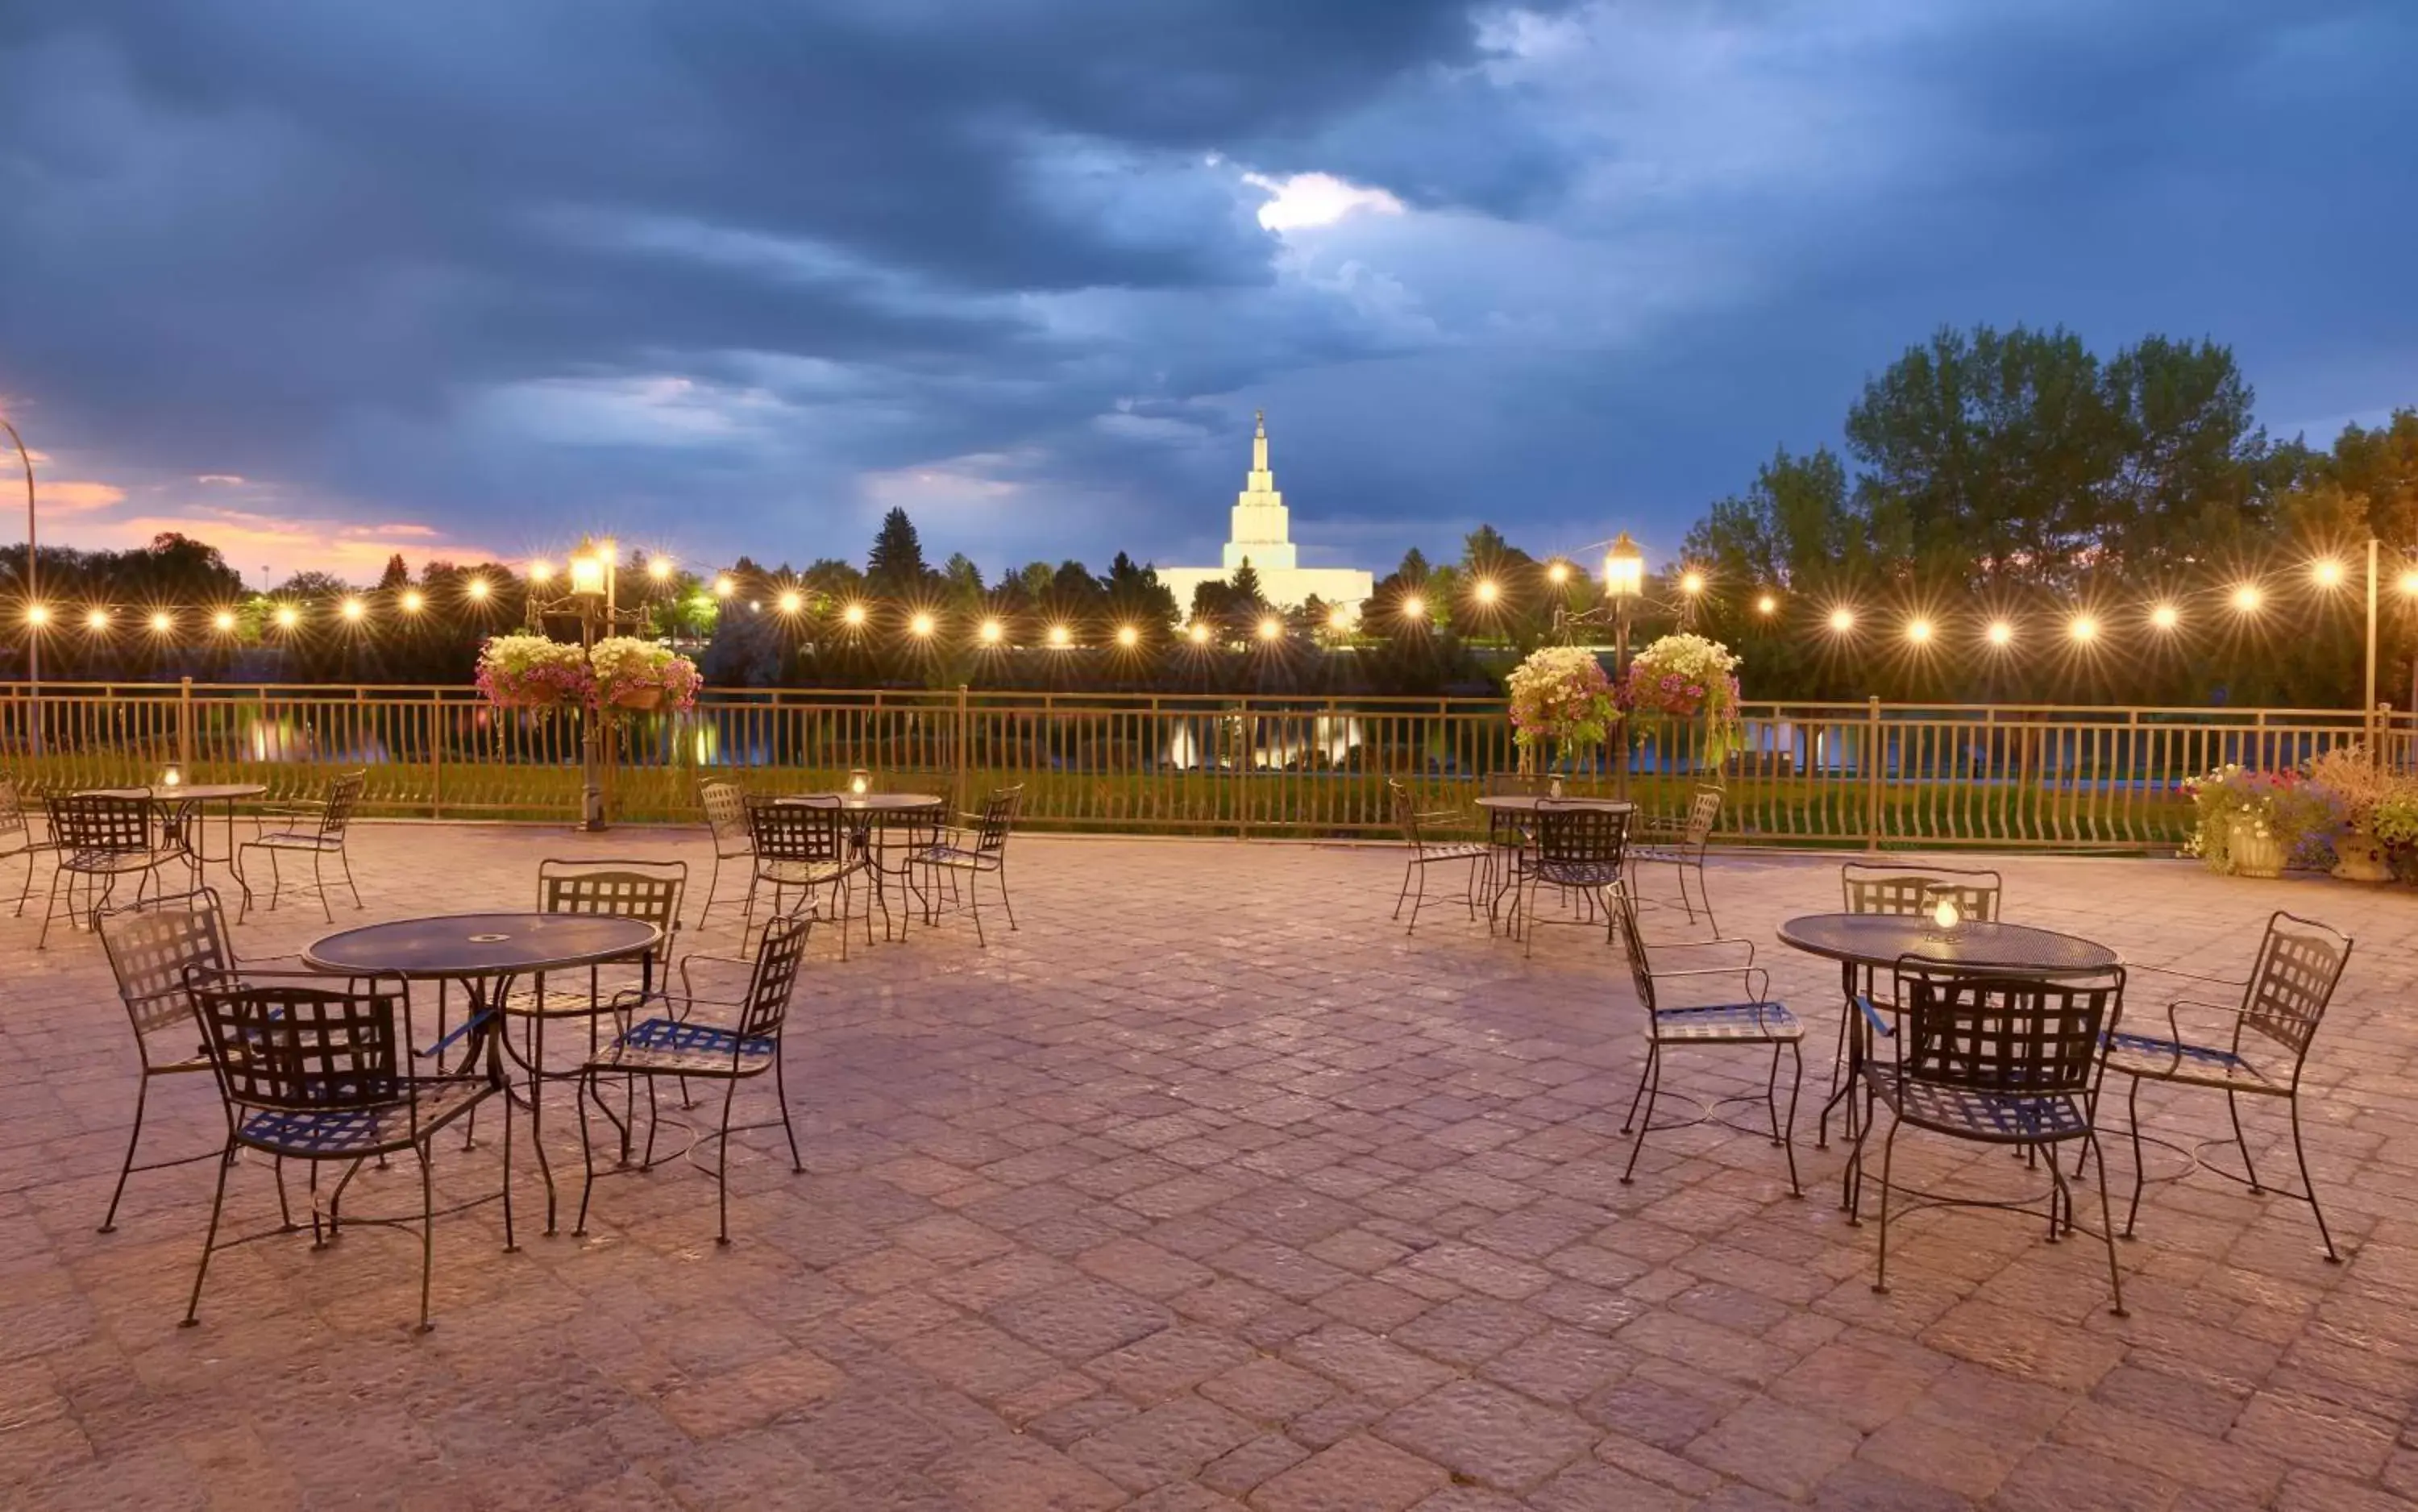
(341, 1132)
(2165, 1059)
(1728, 1023)
(679, 1046)
(2011, 1117)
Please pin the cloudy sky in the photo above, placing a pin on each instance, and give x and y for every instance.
(318, 282)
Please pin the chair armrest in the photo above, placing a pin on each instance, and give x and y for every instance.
(2188, 976)
(687, 988)
(1708, 944)
(1756, 981)
(1874, 1018)
(1442, 815)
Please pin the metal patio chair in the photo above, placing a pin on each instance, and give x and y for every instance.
(1992, 1058)
(711, 1039)
(1424, 853)
(322, 1074)
(1582, 848)
(2292, 981)
(973, 850)
(1506, 836)
(100, 838)
(1749, 1019)
(159, 954)
(725, 819)
(17, 839)
(1680, 846)
(811, 845)
(1902, 889)
(316, 829)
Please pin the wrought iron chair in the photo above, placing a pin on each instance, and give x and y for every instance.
(158, 954)
(1750, 1019)
(1992, 1057)
(320, 1074)
(1896, 888)
(744, 1044)
(1507, 835)
(1681, 846)
(2292, 980)
(317, 831)
(101, 838)
(1424, 853)
(17, 837)
(973, 850)
(1580, 847)
(810, 846)
(725, 816)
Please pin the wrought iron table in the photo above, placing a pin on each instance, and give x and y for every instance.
(486, 953)
(873, 812)
(195, 798)
(1511, 809)
(1867, 942)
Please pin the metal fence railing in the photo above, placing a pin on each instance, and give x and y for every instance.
(1869, 773)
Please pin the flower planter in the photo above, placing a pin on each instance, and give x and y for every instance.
(643, 700)
(2254, 852)
(2359, 858)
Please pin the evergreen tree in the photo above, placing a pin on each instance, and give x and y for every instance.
(896, 568)
(397, 574)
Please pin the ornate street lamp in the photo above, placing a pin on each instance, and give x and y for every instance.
(1623, 580)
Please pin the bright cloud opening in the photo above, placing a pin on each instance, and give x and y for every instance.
(1316, 200)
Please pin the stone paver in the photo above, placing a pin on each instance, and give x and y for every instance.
(1210, 1188)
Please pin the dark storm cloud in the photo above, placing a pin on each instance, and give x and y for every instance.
(742, 273)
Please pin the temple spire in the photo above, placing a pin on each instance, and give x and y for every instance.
(1260, 440)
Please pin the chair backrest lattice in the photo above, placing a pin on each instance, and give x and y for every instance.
(344, 796)
(998, 816)
(161, 951)
(725, 813)
(1703, 812)
(1513, 785)
(290, 1047)
(775, 981)
(1406, 813)
(100, 823)
(2300, 963)
(644, 890)
(1870, 888)
(810, 833)
(1571, 838)
(1640, 967)
(13, 824)
(2002, 1034)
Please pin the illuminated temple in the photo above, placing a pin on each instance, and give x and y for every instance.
(1261, 534)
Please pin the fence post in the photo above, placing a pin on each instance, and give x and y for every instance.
(185, 726)
(960, 783)
(1875, 755)
(1243, 778)
(436, 753)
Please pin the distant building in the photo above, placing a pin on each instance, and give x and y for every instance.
(1261, 534)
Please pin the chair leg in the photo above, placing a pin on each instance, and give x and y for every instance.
(722, 1164)
(781, 1090)
(1653, 1095)
(1705, 895)
(427, 1232)
(1889, 1152)
(2133, 1117)
(50, 905)
(1788, 1130)
(142, 1095)
(2106, 1223)
(587, 1151)
(2310, 1187)
(344, 859)
(1851, 1180)
(319, 885)
(2233, 1110)
(210, 1241)
(974, 902)
(1004, 902)
(1418, 894)
(1404, 893)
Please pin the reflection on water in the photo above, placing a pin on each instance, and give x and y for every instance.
(1228, 742)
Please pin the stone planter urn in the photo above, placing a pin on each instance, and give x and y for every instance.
(2253, 854)
(2359, 858)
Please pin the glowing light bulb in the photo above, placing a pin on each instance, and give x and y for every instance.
(2000, 633)
(540, 571)
(1692, 583)
(162, 623)
(1943, 913)
(223, 621)
(2410, 582)
(352, 610)
(2327, 572)
(288, 616)
(1767, 605)
(1059, 635)
(37, 614)
(2083, 628)
(1559, 574)
(854, 614)
(1339, 619)
(2247, 597)
(791, 601)
(991, 632)
(1199, 631)
(659, 568)
(1487, 590)
(1918, 630)
(1271, 628)
(1843, 619)
(478, 589)
(723, 587)
(2165, 617)
(1128, 636)
(921, 625)
(1415, 607)
(98, 620)
(412, 601)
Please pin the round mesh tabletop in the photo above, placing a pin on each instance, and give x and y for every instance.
(1531, 802)
(199, 792)
(480, 944)
(868, 802)
(1880, 939)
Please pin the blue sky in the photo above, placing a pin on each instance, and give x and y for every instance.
(318, 282)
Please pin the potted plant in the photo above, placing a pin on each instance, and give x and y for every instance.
(522, 671)
(2394, 824)
(1561, 695)
(640, 676)
(1690, 676)
(2356, 785)
(2251, 823)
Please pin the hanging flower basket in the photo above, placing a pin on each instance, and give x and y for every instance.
(640, 677)
(1560, 695)
(1690, 678)
(532, 672)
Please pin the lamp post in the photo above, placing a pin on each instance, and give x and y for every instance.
(1624, 579)
(33, 591)
(592, 590)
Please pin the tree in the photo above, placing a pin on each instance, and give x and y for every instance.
(396, 576)
(895, 570)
